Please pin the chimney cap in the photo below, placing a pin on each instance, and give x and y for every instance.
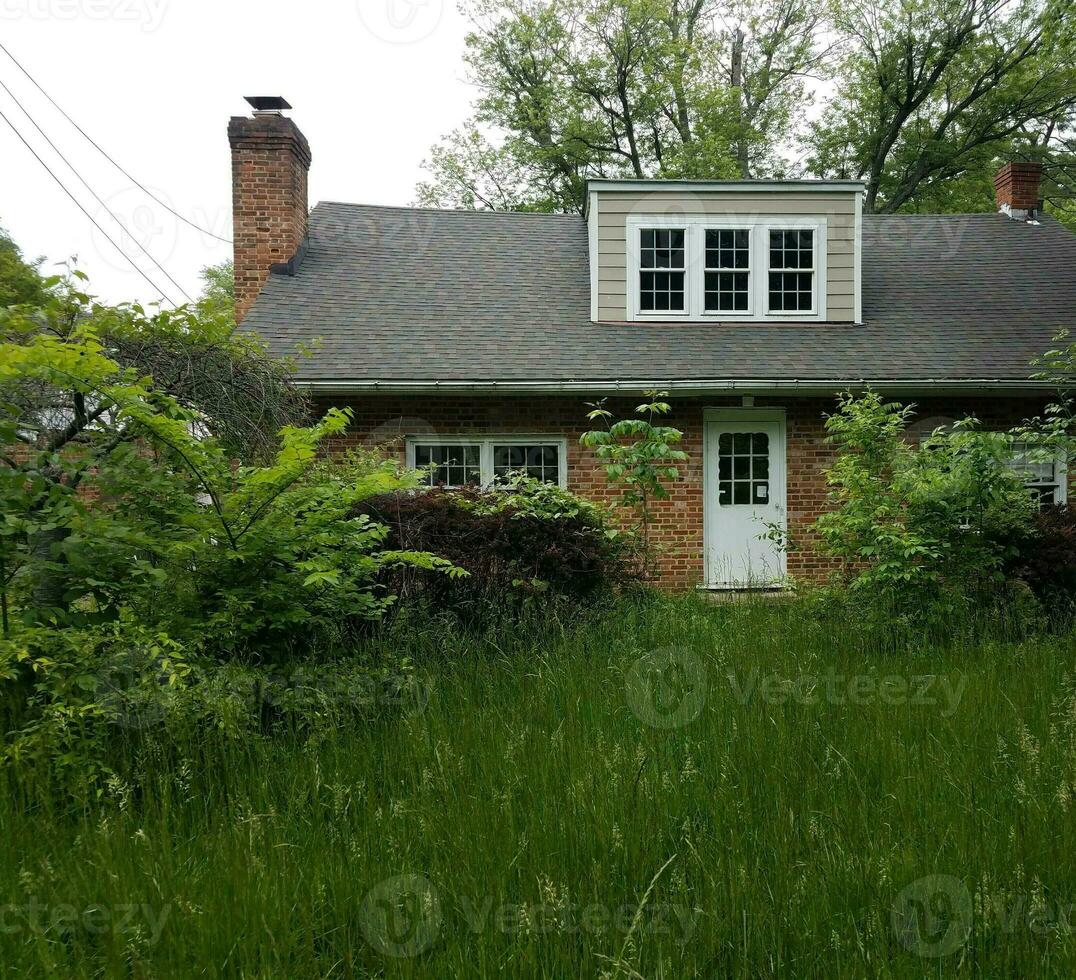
(267, 103)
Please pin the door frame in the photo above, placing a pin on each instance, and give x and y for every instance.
(778, 479)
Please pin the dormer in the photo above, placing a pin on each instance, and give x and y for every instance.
(752, 251)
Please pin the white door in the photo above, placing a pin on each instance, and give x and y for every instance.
(745, 497)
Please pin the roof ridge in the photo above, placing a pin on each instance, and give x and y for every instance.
(484, 211)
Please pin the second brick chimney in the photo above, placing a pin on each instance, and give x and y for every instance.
(270, 162)
(1017, 188)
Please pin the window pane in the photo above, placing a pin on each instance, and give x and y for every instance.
(791, 291)
(661, 248)
(743, 468)
(452, 466)
(539, 461)
(792, 249)
(660, 291)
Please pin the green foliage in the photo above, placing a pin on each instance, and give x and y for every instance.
(640, 456)
(20, 281)
(126, 525)
(218, 291)
(819, 772)
(605, 88)
(935, 94)
(928, 98)
(920, 528)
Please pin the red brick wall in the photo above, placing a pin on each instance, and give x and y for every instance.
(270, 162)
(385, 419)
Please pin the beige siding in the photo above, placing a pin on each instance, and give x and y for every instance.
(614, 208)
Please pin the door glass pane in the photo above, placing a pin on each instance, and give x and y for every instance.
(743, 468)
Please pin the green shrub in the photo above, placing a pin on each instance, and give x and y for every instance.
(921, 530)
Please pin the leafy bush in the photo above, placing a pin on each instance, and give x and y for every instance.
(132, 540)
(640, 456)
(523, 542)
(921, 529)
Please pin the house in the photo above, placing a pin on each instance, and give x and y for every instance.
(475, 340)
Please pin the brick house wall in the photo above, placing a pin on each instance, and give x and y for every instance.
(385, 420)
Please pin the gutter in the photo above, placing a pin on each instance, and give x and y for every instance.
(761, 386)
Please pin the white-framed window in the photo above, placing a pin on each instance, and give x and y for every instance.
(1046, 479)
(726, 267)
(469, 460)
(727, 270)
(791, 287)
(662, 270)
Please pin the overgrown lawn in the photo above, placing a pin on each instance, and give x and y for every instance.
(676, 790)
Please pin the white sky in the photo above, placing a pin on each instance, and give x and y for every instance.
(374, 83)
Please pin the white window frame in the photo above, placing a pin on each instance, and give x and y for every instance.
(750, 272)
(486, 442)
(1060, 480)
(813, 270)
(695, 227)
(671, 270)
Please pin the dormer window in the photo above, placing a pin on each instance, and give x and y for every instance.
(726, 268)
(727, 278)
(791, 284)
(662, 270)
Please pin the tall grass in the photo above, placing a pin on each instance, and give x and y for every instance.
(561, 808)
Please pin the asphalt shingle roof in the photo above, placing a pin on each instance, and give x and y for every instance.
(401, 294)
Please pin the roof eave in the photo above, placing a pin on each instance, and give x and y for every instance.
(1012, 387)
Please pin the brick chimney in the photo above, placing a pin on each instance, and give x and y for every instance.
(1017, 188)
(270, 162)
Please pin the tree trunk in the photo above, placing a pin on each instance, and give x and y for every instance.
(743, 160)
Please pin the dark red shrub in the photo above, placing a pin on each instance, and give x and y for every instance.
(524, 542)
(1047, 560)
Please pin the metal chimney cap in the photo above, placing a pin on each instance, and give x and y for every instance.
(267, 103)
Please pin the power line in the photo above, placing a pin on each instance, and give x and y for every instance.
(78, 204)
(145, 190)
(96, 197)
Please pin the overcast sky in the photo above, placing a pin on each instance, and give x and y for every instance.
(374, 83)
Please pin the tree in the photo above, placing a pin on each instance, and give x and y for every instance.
(574, 89)
(20, 281)
(640, 456)
(55, 434)
(218, 290)
(934, 93)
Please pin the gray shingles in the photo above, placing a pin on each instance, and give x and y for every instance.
(400, 294)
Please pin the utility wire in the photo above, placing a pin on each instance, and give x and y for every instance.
(104, 153)
(78, 204)
(112, 214)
